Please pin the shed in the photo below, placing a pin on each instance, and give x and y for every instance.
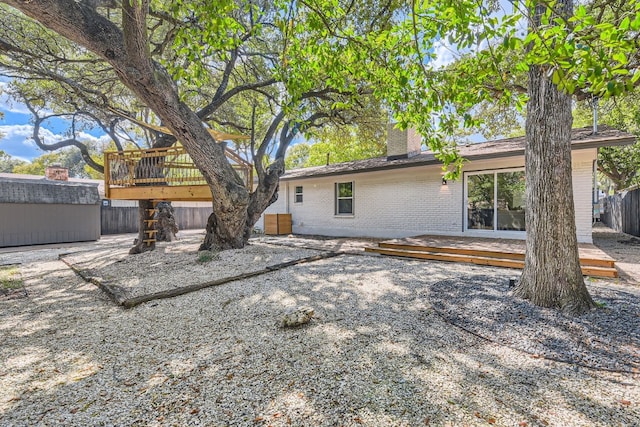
(43, 211)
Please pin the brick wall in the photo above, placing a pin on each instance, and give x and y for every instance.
(582, 165)
(402, 142)
(56, 173)
(412, 201)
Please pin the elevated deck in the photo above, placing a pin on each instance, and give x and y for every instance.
(483, 251)
(162, 174)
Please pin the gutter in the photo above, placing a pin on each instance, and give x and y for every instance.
(592, 143)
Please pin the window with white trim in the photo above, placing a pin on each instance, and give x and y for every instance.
(298, 194)
(344, 198)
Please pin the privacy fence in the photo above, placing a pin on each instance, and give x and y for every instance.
(621, 212)
(116, 220)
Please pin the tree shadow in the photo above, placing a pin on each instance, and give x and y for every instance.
(605, 338)
(624, 248)
(376, 354)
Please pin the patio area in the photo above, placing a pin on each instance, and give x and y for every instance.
(487, 251)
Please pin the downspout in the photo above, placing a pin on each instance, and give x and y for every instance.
(286, 199)
(595, 206)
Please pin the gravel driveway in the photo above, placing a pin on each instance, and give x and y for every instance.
(380, 351)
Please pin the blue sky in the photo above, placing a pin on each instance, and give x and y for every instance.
(17, 129)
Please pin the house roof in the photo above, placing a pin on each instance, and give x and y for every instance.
(582, 138)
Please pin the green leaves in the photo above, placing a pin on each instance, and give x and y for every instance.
(593, 48)
(206, 33)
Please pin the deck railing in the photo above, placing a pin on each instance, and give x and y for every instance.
(170, 166)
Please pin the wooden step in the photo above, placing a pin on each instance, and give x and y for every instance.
(587, 270)
(607, 272)
(149, 241)
(455, 251)
(584, 261)
(150, 231)
(150, 220)
(435, 256)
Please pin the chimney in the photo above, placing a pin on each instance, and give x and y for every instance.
(56, 173)
(402, 144)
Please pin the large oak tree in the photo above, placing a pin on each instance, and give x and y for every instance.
(347, 48)
(589, 51)
(552, 276)
(189, 62)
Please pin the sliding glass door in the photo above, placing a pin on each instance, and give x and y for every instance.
(480, 201)
(495, 200)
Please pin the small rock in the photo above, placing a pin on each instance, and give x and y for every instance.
(297, 317)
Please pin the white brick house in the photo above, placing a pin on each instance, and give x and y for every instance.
(405, 194)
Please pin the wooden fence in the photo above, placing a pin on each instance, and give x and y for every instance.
(621, 212)
(117, 220)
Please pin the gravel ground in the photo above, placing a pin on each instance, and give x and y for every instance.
(376, 353)
(178, 264)
(607, 338)
(624, 248)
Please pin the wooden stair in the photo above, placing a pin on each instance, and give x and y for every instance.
(591, 266)
(150, 225)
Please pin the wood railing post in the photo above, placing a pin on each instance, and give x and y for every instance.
(107, 174)
(160, 167)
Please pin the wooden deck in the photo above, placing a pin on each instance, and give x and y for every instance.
(162, 174)
(184, 193)
(485, 251)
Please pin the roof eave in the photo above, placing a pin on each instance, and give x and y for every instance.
(576, 145)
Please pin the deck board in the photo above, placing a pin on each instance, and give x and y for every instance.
(514, 248)
(487, 251)
(189, 193)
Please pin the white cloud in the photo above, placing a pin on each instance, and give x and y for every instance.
(445, 53)
(103, 139)
(25, 132)
(18, 142)
(9, 105)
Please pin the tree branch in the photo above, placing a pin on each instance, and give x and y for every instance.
(70, 142)
(209, 109)
(262, 149)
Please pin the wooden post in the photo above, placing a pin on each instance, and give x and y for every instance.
(107, 175)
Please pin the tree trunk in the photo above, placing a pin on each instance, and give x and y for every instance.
(166, 225)
(235, 229)
(225, 234)
(552, 276)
